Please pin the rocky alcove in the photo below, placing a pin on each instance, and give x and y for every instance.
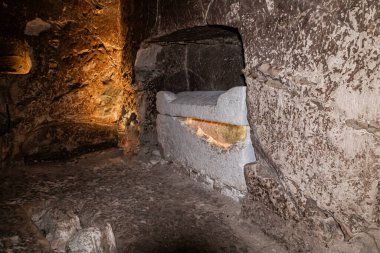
(204, 58)
(193, 78)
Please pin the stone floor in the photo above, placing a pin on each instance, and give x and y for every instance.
(149, 204)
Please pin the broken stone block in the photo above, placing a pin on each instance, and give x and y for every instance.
(208, 131)
(36, 26)
(219, 106)
(225, 165)
(156, 153)
(93, 240)
(58, 225)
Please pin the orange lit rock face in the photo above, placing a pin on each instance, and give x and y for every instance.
(77, 79)
(218, 134)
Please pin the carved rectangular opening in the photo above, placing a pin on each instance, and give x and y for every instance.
(200, 109)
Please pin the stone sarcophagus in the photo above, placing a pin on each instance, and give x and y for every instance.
(208, 132)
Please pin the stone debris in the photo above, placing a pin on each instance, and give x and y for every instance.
(58, 225)
(11, 241)
(163, 162)
(156, 152)
(93, 240)
(36, 26)
(118, 161)
(63, 231)
(154, 161)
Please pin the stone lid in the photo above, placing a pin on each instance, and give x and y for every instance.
(220, 106)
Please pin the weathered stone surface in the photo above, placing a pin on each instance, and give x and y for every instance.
(182, 144)
(219, 106)
(265, 186)
(307, 138)
(62, 229)
(93, 240)
(58, 226)
(36, 26)
(361, 243)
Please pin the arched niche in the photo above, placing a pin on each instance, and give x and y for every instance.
(203, 58)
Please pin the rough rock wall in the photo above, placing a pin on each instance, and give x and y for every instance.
(317, 114)
(312, 71)
(204, 65)
(76, 96)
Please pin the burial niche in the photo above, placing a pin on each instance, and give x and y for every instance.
(193, 92)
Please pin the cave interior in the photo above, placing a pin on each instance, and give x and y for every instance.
(189, 126)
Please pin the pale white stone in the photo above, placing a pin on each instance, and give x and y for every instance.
(181, 144)
(156, 153)
(154, 162)
(91, 240)
(219, 106)
(59, 226)
(36, 26)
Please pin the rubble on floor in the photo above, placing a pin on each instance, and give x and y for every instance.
(142, 200)
(107, 202)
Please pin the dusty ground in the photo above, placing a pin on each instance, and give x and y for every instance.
(151, 207)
